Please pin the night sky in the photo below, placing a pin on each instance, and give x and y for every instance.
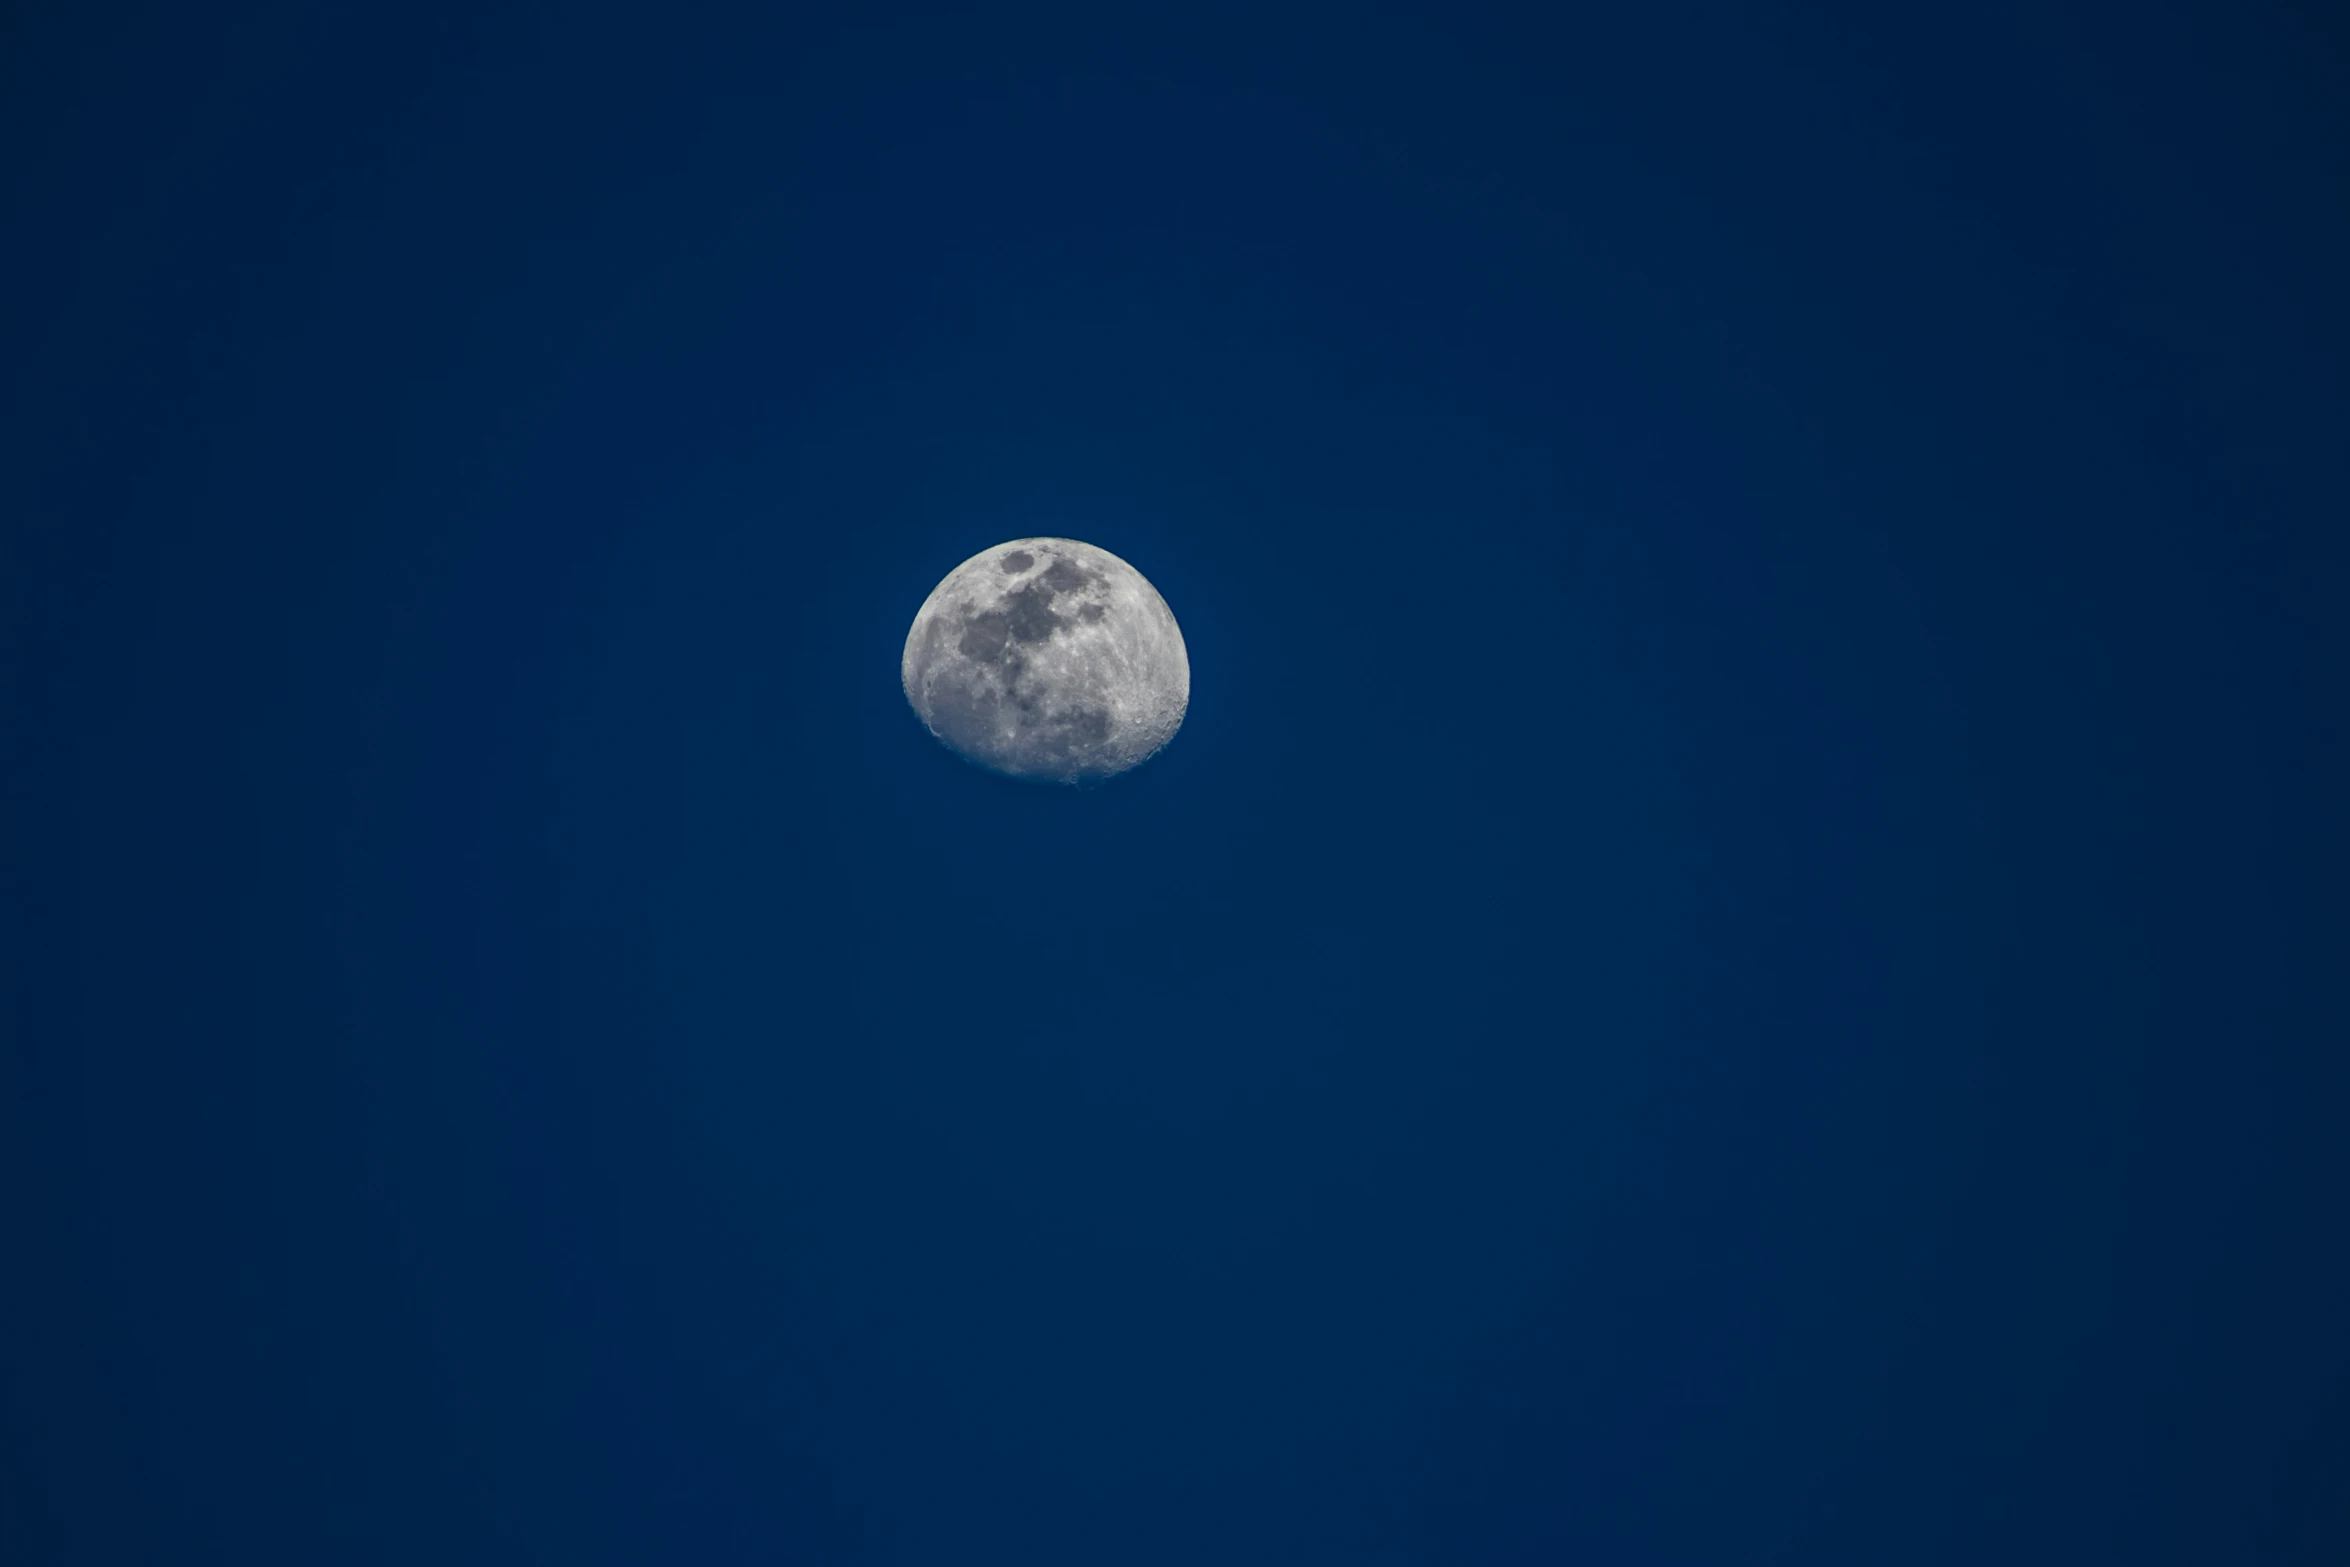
(1740, 959)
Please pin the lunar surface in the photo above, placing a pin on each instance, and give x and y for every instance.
(1049, 659)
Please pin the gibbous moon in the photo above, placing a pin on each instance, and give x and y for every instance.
(1049, 659)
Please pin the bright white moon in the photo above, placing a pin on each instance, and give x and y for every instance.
(1047, 658)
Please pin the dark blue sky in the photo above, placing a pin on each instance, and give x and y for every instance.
(1737, 961)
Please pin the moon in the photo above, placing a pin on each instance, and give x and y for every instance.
(1048, 659)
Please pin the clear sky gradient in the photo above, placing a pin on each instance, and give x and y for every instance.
(1738, 960)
